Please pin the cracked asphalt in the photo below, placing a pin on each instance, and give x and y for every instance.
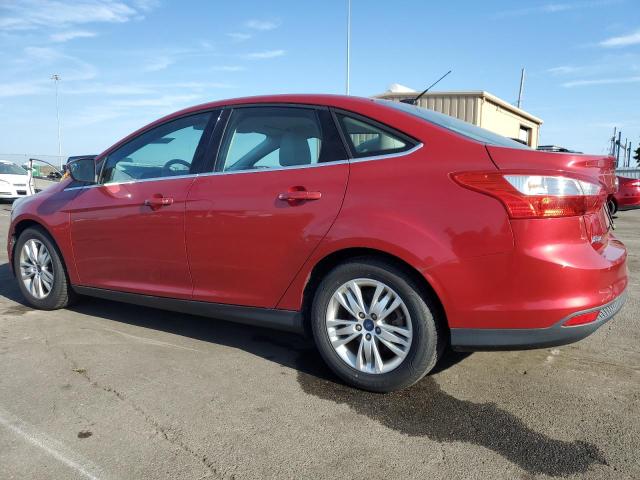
(113, 391)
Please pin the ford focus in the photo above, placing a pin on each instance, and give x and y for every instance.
(384, 231)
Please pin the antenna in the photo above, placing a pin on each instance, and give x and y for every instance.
(414, 101)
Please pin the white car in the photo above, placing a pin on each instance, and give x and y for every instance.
(14, 181)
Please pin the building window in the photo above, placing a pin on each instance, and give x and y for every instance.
(525, 135)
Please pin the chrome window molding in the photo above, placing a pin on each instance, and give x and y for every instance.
(265, 170)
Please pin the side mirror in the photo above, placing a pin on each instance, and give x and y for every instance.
(82, 170)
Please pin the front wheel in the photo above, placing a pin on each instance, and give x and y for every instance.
(374, 327)
(40, 272)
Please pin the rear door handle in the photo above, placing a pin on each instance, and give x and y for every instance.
(298, 196)
(157, 202)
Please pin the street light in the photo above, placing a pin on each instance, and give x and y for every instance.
(56, 78)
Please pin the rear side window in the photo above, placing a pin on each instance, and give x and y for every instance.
(275, 137)
(367, 139)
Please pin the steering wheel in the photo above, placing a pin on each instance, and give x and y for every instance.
(176, 161)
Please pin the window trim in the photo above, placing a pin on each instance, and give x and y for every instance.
(411, 142)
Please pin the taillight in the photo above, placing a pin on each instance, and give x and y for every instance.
(536, 196)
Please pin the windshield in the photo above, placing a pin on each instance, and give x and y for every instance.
(458, 126)
(11, 169)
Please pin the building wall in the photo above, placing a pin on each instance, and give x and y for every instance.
(463, 107)
(481, 109)
(500, 120)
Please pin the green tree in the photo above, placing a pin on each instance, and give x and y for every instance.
(636, 156)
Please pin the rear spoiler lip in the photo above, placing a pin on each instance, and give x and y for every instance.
(505, 158)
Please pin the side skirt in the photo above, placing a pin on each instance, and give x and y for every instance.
(287, 320)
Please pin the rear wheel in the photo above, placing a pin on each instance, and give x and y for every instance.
(374, 327)
(40, 272)
(612, 206)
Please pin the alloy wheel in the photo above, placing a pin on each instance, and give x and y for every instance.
(369, 326)
(36, 269)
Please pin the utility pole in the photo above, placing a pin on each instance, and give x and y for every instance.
(618, 149)
(348, 43)
(56, 78)
(612, 150)
(521, 87)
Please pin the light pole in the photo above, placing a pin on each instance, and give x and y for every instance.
(56, 78)
(348, 42)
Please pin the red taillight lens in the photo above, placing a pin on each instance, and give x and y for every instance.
(536, 196)
(582, 319)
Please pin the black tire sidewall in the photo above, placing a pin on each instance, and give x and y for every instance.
(58, 296)
(424, 348)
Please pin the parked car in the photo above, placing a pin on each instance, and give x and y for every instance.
(628, 195)
(13, 181)
(383, 230)
(54, 175)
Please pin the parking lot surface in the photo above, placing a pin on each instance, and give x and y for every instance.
(107, 390)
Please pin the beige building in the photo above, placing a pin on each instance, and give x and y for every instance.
(479, 108)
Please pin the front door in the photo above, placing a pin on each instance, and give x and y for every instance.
(279, 183)
(128, 231)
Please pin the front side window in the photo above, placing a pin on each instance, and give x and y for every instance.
(164, 151)
(276, 137)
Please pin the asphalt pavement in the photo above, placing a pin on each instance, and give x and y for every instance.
(113, 391)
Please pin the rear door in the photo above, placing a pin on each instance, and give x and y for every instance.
(128, 231)
(279, 183)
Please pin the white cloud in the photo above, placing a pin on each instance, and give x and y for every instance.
(229, 68)
(239, 37)
(68, 67)
(32, 14)
(265, 54)
(162, 101)
(552, 8)
(160, 63)
(71, 35)
(600, 81)
(262, 24)
(564, 70)
(19, 89)
(622, 41)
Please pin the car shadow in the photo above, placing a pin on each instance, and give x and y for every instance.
(423, 410)
(281, 347)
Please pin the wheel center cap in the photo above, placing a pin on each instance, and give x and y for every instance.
(368, 325)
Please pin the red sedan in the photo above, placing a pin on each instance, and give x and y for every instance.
(628, 194)
(383, 230)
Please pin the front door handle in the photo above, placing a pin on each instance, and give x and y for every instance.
(158, 201)
(295, 197)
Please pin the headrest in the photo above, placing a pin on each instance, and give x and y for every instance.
(294, 150)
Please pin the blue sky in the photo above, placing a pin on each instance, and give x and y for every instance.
(124, 63)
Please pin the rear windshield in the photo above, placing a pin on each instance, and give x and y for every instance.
(11, 169)
(458, 126)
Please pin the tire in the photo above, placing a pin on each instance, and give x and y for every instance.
(385, 370)
(60, 294)
(612, 206)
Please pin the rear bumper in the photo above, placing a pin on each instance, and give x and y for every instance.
(527, 338)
